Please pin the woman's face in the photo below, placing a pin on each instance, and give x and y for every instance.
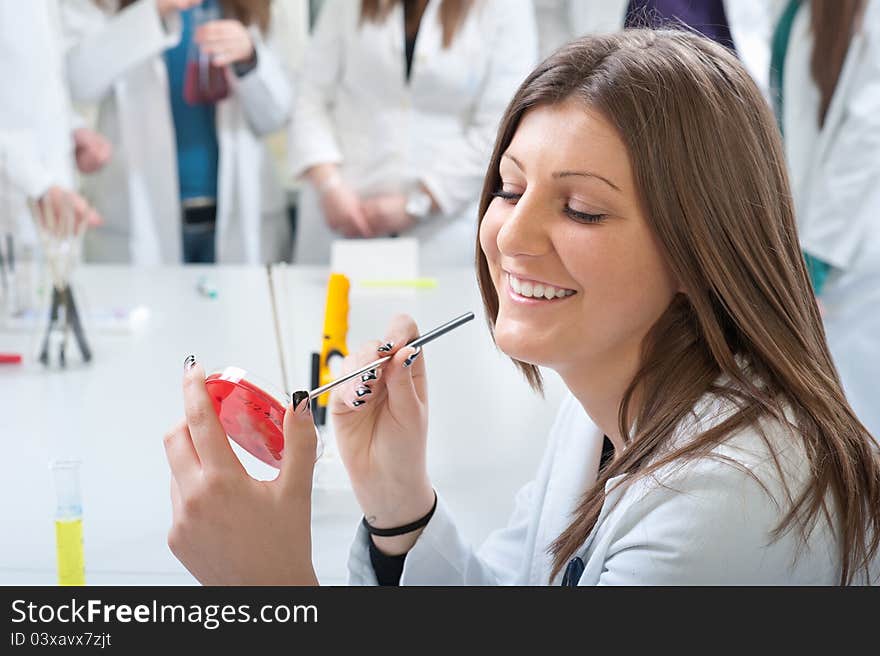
(579, 275)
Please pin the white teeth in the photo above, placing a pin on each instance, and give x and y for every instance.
(536, 290)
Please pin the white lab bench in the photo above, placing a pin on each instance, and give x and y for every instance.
(487, 429)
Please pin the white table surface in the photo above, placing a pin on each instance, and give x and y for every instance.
(487, 429)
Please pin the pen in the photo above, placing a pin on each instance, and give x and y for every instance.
(429, 336)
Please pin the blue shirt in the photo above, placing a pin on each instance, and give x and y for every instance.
(195, 129)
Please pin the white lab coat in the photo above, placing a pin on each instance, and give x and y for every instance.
(750, 25)
(117, 59)
(36, 147)
(708, 522)
(355, 108)
(835, 178)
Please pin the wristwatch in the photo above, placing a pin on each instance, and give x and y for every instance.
(418, 204)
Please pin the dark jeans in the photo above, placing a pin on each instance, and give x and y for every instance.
(198, 235)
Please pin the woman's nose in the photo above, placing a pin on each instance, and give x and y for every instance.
(524, 232)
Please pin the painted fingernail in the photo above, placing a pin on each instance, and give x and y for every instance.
(299, 397)
(387, 346)
(363, 391)
(410, 359)
(356, 403)
(370, 375)
(189, 363)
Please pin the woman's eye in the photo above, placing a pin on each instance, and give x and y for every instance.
(584, 217)
(508, 196)
(579, 216)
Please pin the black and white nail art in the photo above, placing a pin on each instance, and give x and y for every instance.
(410, 359)
(299, 397)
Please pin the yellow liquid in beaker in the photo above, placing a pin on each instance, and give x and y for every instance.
(71, 556)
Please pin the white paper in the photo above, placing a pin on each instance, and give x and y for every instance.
(376, 259)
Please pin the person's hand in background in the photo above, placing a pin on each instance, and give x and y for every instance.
(344, 214)
(228, 528)
(227, 41)
(92, 150)
(62, 212)
(386, 214)
(341, 205)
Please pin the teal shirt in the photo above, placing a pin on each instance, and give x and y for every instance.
(198, 151)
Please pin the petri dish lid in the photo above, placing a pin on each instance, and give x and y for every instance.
(251, 414)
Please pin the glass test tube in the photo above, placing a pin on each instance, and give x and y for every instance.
(68, 523)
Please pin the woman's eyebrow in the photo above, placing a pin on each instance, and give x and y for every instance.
(566, 174)
(514, 160)
(586, 174)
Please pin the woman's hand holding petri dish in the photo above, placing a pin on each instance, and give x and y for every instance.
(228, 528)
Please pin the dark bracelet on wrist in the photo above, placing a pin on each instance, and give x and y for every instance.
(401, 530)
(244, 67)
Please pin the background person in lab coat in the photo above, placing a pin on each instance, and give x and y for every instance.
(396, 109)
(637, 237)
(119, 59)
(39, 140)
(826, 79)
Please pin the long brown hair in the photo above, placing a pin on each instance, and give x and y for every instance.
(710, 171)
(451, 15)
(833, 23)
(247, 12)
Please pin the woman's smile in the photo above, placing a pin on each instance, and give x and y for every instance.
(527, 291)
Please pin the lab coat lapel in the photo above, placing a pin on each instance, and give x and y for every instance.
(568, 480)
(429, 41)
(841, 95)
(593, 566)
(153, 198)
(394, 32)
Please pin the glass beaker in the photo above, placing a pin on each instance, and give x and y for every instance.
(203, 82)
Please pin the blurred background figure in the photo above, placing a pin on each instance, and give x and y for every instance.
(741, 25)
(825, 77)
(187, 90)
(397, 109)
(38, 139)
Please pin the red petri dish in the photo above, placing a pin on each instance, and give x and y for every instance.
(251, 416)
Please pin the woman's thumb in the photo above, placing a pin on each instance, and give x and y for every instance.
(300, 446)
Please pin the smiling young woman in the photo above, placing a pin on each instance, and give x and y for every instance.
(636, 236)
(679, 241)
